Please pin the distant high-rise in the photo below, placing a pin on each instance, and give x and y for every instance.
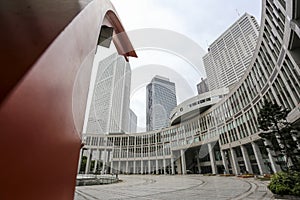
(229, 56)
(109, 111)
(202, 87)
(160, 101)
(132, 126)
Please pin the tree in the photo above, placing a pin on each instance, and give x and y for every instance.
(282, 135)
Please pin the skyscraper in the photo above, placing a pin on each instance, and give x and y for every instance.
(229, 55)
(160, 101)
(132, 126)
(109, 111)
(202, 87)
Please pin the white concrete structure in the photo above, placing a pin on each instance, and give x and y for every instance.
(109, 111)
(196, 105)
(160, 101)
(229, 56)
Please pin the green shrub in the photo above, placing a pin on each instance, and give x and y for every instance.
(285, 183)
(296, 190)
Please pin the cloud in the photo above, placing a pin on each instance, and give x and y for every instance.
(201, 20)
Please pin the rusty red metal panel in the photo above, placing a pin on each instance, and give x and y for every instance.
(27, 28)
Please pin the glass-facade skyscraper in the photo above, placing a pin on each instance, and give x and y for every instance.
(160, 101)
(109, 111)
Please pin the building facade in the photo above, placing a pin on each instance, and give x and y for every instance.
(225, 136)
(132, 126)
(109, 110)
(202, 87)
(160, 101)
(229, 56)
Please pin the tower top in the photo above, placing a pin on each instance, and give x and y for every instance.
(160, 77)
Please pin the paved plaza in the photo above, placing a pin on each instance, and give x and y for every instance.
(176, 187)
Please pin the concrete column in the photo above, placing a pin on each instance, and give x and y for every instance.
(119, 167)
(236, 168)
(212, 158)
(225, 161)
(149, 166)
(164, 165)
(126, 167)
(172, 165)
(87, 166)
(246, 159)
(183, 163)
(259, 159)
(79, 161)
(178, 164)
(104, 160)
(95, 166)
(142, 166)
(275, 167)
(111, 167)
(156, 163)
(134, 166)
(107, 158)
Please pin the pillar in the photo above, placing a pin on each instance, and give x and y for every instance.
(87, 166)
(259, 159)
(95, 166)
(149, 166)
(119, 166)
(183, 163)
(236, 168)
(79, 161)
(156, 163)
(246, 159)
(134, 166)
(164, 165)
(126, 167)
(142, 166)
(212, 158)
(172, 165)
(104, 161)
(225, 161)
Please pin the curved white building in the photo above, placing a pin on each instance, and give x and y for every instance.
(224, 136)
(197, 105)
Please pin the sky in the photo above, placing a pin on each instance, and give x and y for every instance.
(191, 24)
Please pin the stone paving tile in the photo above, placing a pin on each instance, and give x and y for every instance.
(187, 187)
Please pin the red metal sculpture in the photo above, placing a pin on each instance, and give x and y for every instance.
(46, 46)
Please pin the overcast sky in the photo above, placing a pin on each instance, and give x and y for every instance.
(200, 21)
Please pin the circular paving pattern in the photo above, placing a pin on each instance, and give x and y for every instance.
(176, 187)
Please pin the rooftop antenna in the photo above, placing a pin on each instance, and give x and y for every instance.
(238, 13)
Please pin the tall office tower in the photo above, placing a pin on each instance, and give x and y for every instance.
(202, 87)
(160, 101)
(109, 111)
(229, 56)
(132, 126)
